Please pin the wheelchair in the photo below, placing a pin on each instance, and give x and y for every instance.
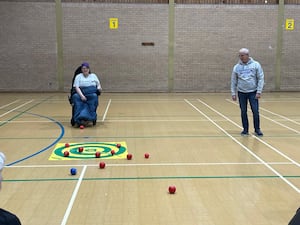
(84, 121)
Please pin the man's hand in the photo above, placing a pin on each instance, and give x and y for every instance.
(257, 95)
(233, 97)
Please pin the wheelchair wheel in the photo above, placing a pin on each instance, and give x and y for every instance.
(72, 122)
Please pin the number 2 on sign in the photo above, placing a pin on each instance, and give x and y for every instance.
(113, 23)
(289, 24)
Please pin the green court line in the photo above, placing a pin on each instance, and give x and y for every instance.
(147, 178)
(23, 112)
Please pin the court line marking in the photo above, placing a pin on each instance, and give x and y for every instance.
(140, 120)
(151, 178)
(149, 164)
(22, 112)
(282, 117)
(291, 99)
(109, 120)
(274, 121)
(106, 110)
(125, 100)
(57, 139)
(74, 195)
(243, 146)
(29, 121)
(4, 106)
(259, 139)
(14, 109)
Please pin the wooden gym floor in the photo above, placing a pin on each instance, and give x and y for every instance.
(194, 143)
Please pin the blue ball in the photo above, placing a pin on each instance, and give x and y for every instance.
(73, 171)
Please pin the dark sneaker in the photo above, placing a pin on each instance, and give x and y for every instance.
(244, 133)
(84, 123)
(258, 133)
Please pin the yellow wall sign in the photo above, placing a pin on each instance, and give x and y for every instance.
(113, 23)
(289, 24)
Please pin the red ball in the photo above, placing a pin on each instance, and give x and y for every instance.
(172, 189)
(129, 156)
(102, 165)
(97, 154)
(66, 154)
(67, 145)
(118, 145)
(147, 155)
(80, 149)
(81, 127)
(112, 152)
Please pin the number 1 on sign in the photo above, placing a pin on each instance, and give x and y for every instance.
(113, 23)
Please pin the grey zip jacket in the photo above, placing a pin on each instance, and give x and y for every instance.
(247, 77)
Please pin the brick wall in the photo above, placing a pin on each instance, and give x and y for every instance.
(117, 55)
(27, 46)
(207, 38)
(290, 69)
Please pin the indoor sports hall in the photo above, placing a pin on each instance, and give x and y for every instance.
(166, 146)
(193, 142)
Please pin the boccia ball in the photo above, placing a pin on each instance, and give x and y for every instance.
(129, 156)
(97, 154)
(73, 171)
(102, 165)
(172, 189)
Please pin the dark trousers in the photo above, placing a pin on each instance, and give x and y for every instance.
(243, 100)
(85, 110)
(296, 219)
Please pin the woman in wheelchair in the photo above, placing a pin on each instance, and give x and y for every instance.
(87, 87)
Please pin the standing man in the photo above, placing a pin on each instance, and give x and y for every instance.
(6, 218)
(247, 81)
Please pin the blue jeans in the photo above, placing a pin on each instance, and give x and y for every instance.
(243, 100)
(85, 110)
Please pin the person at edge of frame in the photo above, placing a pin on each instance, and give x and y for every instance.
(6, 218)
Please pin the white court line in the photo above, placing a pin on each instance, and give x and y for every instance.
(9, 104)
(152, 164)
(145, 100)
(106, 110)
(259, 139)
(110, 120)
(282, 117)
(16, 108)
(29, 121)
(243, 146)
(274, 121)
(68, 211)
(295, 99)
(154, 120)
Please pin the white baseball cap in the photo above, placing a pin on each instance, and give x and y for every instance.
(2, 160)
